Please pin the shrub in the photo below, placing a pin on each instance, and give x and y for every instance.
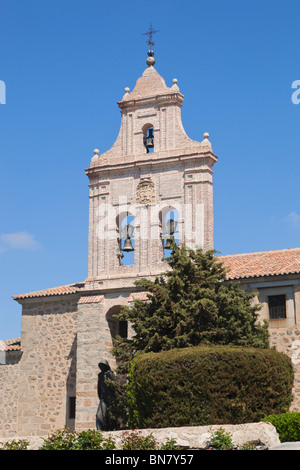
(93, 440)
(220, 440)
(287, 425)
(134, 440)
(21, 444)
(206, 385)
(71, 440)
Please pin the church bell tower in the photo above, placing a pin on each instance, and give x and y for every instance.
(154, 183)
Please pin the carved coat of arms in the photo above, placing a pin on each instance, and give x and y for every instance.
(146, 192)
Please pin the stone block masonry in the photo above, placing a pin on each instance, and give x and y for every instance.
(9, 374)
(287, 341)
(47, 370)
(52, 381)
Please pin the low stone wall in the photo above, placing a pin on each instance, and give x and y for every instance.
(263, 435)
(198, 437)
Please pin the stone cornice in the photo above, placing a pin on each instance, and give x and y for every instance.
(162, 158)
(168, 98)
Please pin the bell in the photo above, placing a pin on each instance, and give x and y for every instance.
(150, 140)
(173, 226)
(127, 245)
(150, 143)
(168, 245)
(170, 227)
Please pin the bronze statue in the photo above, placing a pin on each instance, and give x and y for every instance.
(104, 394)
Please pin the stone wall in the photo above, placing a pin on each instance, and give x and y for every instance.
(93, 335)
(47, 370)
(287, 341)
(9, 373)
(95, 330)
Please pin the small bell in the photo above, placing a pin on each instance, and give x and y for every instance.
(128, 245)
(149, 141)
(170, 227)
(173, 226)
(168, 245)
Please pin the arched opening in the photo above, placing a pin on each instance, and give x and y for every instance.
(148, 136)
(116, 327)
(170, 229)
(125, 223)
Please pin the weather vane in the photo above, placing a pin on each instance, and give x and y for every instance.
(150, 36)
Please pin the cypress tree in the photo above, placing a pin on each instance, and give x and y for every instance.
(190, 304)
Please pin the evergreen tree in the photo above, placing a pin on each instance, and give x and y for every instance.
(188, 305)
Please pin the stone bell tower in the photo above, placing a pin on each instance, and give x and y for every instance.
(153, 169)
(154, 183)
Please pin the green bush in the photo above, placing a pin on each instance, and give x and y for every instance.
(222, 440)
(206, 385)
(287, 425)
(21, 444)
(71, 440)
(134, 440)
(93, 440)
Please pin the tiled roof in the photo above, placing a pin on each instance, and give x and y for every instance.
(137, 296)
(245, 265)
(61, 290)
(90, 299)
(264, 263)
(11, 345)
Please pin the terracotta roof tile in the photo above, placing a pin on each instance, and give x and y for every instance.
(264, 263)
(11, 345)
(245, 265)
(138, 296)
(61, 290)
(91, 299)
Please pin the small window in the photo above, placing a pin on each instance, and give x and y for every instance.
(277, 306)
(72, 407)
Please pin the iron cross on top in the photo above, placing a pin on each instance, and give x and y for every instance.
(150, 34)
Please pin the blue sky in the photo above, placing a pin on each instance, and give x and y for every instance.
(65, 63)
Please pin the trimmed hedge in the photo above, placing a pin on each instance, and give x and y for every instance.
(287, 425)
(206, 385)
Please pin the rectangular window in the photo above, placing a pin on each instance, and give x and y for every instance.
(277, 306)
(72, 407)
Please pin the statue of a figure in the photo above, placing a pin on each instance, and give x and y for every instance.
(104, 394)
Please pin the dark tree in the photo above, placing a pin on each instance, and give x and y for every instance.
(190, 304)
